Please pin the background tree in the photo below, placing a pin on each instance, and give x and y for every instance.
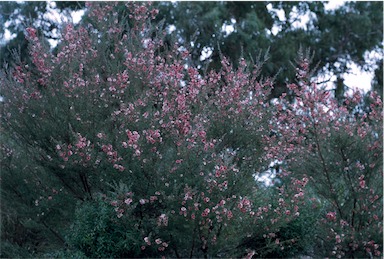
(17, 16)
(339, 36)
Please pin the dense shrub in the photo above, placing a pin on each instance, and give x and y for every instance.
(162, 160)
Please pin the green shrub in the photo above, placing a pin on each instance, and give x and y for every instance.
(97, 232)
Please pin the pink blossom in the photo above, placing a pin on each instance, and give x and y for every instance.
(205, 212)
(179, 161)
(229, 214)
(362, 182)
(31, 32)
(162, 220)
(331, 216)
(343, 223)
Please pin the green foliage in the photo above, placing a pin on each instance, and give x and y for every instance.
(31, 211)
(13, 250)
(303, 230)
(97, 232)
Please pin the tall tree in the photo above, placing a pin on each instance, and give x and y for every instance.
(17, 16)
(339, 36)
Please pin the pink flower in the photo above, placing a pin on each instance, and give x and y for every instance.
(162, 220)
(250, 254)
(179, 161)
(229, 214)
(343, 223)
(205, 212)
(133, 137)
(362, 182)
(31, 32)
(331, 216)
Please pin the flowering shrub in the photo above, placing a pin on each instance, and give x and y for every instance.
(114, 106)
(339, 149)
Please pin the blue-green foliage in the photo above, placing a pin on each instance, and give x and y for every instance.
(97, 232)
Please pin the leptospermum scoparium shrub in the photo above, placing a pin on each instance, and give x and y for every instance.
(117, 115)
(339, 149)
